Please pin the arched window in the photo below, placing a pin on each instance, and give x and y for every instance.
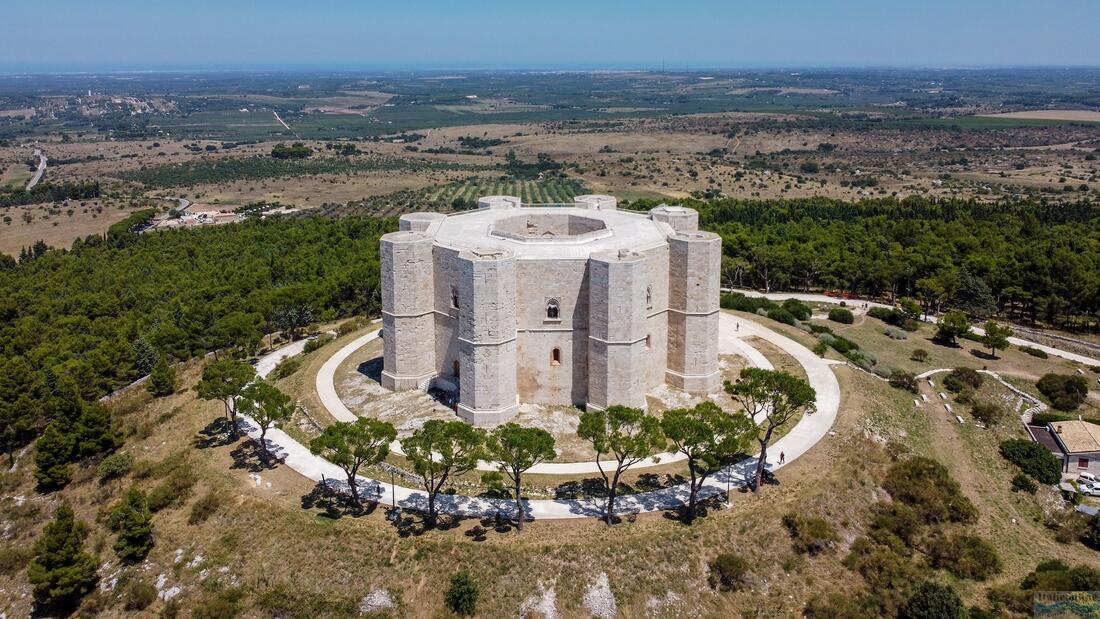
(454, 297)
(649, 297)
(555, 357)
(552, 310)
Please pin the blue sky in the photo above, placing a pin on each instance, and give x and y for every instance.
(75, 35)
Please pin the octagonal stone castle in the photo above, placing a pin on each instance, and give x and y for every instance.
(578, 304)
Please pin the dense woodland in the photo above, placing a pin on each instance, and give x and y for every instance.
(105, 312)
(1029, 261)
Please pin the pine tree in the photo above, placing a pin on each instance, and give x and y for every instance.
(53, 456)
(162, 379)
(145, 355)
(61, 572)
(134, 523)
(96, 434)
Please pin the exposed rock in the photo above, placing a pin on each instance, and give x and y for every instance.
(599, 600)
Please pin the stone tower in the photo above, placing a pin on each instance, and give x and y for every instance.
(487, 336)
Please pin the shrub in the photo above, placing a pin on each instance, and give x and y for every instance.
(895, 525)
(861, 358)
(1035, 352)
(462, 596)
(919, 355)
(931, 600)
(728, 572)
(1066, 393)
(173, 491)
(841, 315)
(779, 314)
(961, 378)
(1033, 459)
(882, 371)
(114, 466)
(926, 486)
(1091, 535)
(810, 535)
(896, 334)
(965, 556)
(205, 507)
(223, 604)
(887, 315)
(988, 412)
(903, 380)
(887, 573)
(139, 595)
(317, 342)
(350, 326)
(833, 606)
(14, 558)
(741, 303)
(798, 309)
(1023, 483)
(285, 368)
(816, 328)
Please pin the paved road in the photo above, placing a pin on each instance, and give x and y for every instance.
(805, 434)
(822, 298)
(40, 171)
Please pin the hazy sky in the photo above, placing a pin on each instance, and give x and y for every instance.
(75, 35)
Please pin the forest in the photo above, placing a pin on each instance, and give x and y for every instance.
(103, 313)
(51, 192)
(1029, 261)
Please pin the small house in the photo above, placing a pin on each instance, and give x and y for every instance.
(1075, 442)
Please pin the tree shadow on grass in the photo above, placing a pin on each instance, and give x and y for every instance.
(215, 434)
(335, 505)
(248, 456)
(981, 354)
(585, 488)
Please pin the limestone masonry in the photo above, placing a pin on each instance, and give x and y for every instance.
(583, 304)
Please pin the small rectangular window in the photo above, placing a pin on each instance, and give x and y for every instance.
(1082, 463)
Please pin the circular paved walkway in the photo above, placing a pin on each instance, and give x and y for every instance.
(809, 430)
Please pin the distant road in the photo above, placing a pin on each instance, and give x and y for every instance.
(40, 171)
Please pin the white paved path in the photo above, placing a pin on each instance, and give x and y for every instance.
(809, 430)
(822, 298)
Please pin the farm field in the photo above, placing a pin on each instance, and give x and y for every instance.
(1069, 115)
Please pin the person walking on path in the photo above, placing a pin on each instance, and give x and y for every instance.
(782, 457)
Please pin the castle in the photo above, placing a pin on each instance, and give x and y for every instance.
(579, 304)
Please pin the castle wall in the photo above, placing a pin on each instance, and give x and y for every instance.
(540, 379)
